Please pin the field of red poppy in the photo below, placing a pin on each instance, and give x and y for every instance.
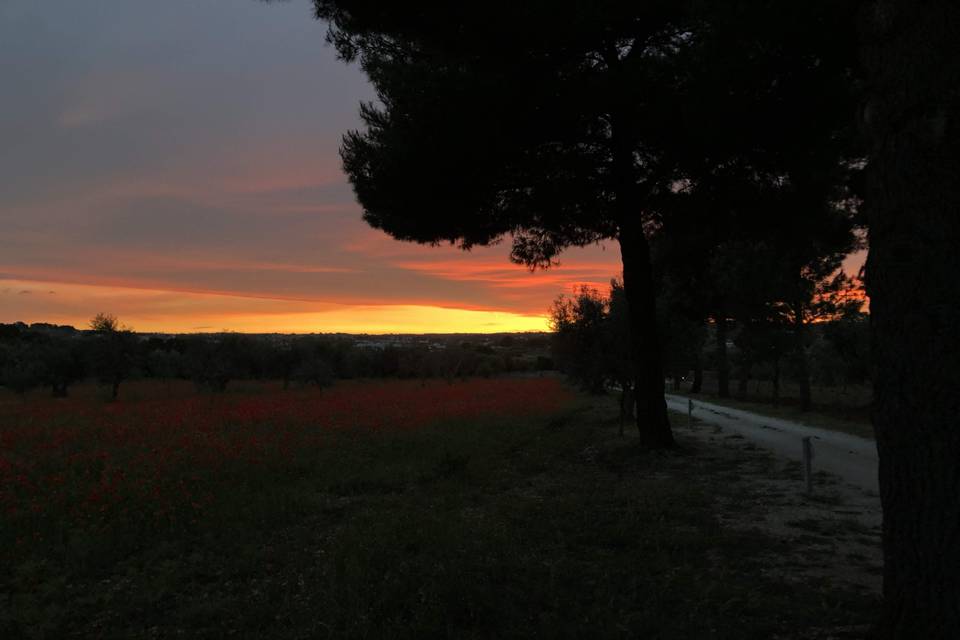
(157, 458)
(479, 508)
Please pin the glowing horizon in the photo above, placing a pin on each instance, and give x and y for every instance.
(176, 312)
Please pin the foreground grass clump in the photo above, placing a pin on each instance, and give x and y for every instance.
(523, 518)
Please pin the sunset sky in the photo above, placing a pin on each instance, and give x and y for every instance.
(175, 163)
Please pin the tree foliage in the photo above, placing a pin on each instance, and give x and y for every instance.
(611, 120)
(113, 351)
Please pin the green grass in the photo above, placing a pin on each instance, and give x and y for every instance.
(549, 527)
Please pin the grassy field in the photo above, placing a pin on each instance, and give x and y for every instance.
(485, 508)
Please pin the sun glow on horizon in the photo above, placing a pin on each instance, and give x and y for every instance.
(195, 312)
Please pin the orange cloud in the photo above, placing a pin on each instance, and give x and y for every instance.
(501, 274)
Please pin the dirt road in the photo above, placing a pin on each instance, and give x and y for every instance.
(852, 458)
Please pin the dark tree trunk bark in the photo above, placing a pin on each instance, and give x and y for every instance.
(776, 381)
(723, 362)
(913, 199)
(803, 368)
(638, 288)
(697, 385)
(623, 409)
(626, 404)
(652, 421)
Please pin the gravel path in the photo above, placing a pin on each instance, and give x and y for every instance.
(852, 458)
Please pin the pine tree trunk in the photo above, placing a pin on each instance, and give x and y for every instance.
(623, 408)
(652, 421)
(723, 362)
(697, 385)
(803, 368)
(626, 404)
(913, 199)
(776, 381)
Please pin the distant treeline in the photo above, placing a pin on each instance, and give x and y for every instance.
(54, 357)
(591, 332)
